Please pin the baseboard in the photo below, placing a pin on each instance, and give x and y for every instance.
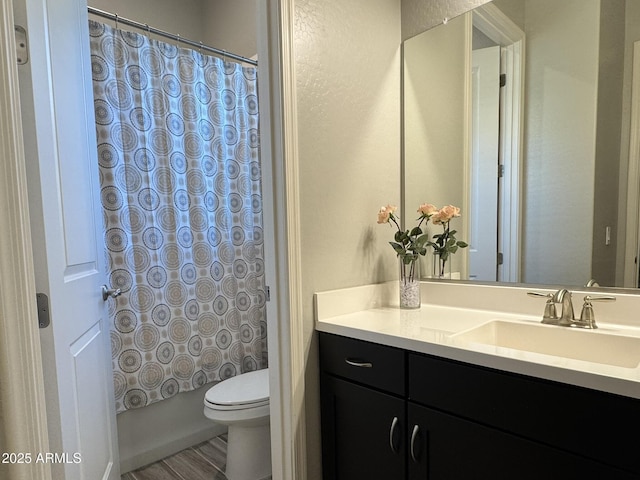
(158, 453)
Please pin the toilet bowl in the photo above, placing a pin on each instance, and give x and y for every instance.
(242, 403)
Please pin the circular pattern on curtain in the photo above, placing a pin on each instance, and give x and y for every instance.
(180, 187)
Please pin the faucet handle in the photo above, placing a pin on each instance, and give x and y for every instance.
(550, 315)
(600, 298)
(588, 317)
(538, 294)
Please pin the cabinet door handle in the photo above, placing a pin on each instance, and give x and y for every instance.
(358, 363)
(392, 430)
(414, 435)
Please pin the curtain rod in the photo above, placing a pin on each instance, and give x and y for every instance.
(143, 26)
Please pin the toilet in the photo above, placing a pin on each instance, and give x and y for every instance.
(242, 403)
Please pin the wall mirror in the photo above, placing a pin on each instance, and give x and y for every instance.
(525, 113)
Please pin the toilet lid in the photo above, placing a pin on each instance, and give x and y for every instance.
(247, 389)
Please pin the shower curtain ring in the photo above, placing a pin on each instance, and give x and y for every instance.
(116, 21)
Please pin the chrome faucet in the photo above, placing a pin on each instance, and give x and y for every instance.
(563, 296)
(567, 318)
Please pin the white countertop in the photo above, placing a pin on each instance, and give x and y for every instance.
(361, 313)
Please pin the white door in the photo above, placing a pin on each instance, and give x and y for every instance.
(483, 230)
(64, 194)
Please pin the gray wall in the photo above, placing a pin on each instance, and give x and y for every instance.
(231, 25)
(608, 134)
(183, 17)
(632, 34)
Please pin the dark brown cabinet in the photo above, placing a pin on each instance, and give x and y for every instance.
(363, 435)
(449, 447)
(392, 414)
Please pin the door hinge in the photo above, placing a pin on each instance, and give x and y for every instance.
(500, 171)
(500, 258)
(268, 293)
(22, 50)
(42, 302)
(503, 79)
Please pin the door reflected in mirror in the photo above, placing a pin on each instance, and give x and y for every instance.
(520, 112)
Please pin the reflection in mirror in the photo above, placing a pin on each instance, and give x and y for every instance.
(520, 112)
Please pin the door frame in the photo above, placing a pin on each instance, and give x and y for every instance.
(285, 310)
(498, 27)
(22, 400)
(22, 403)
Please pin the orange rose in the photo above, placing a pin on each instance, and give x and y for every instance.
(447, 213)
(427, 209)
(386, 213)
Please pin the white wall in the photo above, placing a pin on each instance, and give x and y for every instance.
(561, 72)
(163, 428)
(435, 109)
(420, 15)
(348, 94)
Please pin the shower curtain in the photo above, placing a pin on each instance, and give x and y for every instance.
(181, 195)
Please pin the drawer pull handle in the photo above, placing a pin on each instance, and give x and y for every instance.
(357, 363)
(414, 435)
(392, 431)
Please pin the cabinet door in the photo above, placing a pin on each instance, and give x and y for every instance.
(443, 446)
(363, 432)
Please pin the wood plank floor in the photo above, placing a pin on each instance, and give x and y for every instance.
(205, 461)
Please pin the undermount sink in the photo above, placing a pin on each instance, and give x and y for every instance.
(566, 342)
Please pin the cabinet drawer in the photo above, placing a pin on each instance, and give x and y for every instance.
(367, 363)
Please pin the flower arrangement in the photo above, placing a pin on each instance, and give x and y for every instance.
(445, 243)
(409, 244)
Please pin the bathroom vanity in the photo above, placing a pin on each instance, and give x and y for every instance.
(401, 398)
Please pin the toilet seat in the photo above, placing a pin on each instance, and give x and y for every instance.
(246, 391)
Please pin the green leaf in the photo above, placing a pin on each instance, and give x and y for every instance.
(416, 231)
(462, 244)
(421, 240)
(399, 249)
(404, 237)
